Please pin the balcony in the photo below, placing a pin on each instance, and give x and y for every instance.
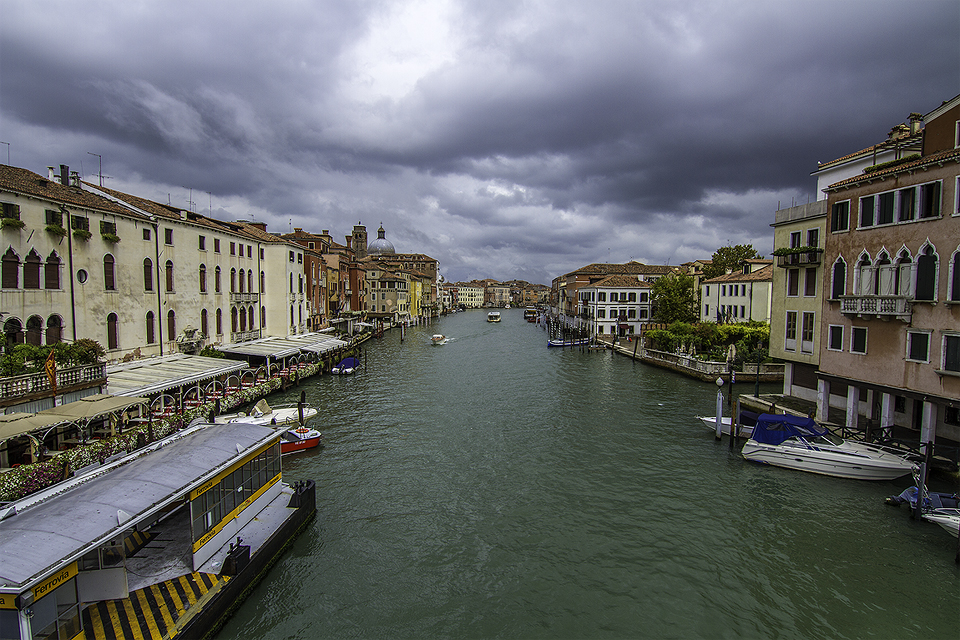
(243, 297)
(805, 259)
(884, 307)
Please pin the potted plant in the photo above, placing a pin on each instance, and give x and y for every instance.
(110, 237)
(82, 234)
(11, 223)
(56, 230)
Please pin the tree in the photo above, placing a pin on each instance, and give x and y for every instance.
(674, 299)
(729, 258)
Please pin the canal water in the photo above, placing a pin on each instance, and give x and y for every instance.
(494, 488)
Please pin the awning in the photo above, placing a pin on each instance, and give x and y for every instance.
(15, 424)
(156, 375)
(92, 406)
(314, 342)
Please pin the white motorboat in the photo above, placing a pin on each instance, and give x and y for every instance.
(493, 316)
(263, 414)
(438, 338)
(710, 422)
(799, 443)
(296, 436)
(948, 519)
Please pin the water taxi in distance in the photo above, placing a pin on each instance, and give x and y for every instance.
(530, 314)
(493, 316)
(438, 338)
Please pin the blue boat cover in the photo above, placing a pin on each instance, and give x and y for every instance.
(349, 363)
(774, 429)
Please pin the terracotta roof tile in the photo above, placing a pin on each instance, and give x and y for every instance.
(936, 158)
(760, 275)
(28, 183)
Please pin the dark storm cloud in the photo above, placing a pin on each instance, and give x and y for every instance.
(506, 139)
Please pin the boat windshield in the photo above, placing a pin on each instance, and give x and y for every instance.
(825, 440)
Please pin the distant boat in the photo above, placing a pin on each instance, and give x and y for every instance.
(493, 316)
(530, 314)
(438, 338)
(346, 366)
(574, 342)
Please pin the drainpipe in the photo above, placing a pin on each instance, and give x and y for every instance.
(73, 302)
(156, 251)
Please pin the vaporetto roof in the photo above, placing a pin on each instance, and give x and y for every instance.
(52, 533)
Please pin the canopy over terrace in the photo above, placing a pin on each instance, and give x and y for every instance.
(156, 376)
(16, 424)
(278, 349)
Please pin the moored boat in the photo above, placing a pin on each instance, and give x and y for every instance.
(346, 366)
(948, 519)
(299, 439)
(747, 422)
(493, 316)
(799, 443)
(574, 342)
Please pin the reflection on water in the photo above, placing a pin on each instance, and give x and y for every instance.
(491, 487)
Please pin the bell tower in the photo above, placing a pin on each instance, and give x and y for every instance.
(359, 241)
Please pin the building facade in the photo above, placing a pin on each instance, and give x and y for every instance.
(890, 351)
(797, 295)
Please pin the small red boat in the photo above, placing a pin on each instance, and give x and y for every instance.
(299, 439)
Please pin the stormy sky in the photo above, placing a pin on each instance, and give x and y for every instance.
(507, 139)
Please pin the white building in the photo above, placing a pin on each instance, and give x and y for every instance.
(738, 297)
(616, 305)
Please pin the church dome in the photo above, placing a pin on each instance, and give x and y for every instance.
(381, 246)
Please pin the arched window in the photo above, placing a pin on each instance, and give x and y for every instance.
(204, 325)
(241, 280)
(219, 322)
(203, 279)
(263, 317)
(171, 325)
(216, 280)
(243, 319)
(151, 329)
(926, 274)
(263, 281)
(955, 276)
(147, 274)
(31, 274)
(904, 274)
(51, 273)
(250, 281)
(109, 274)
(169, 270)
(113, 338)
(54, 329)
(11, 270)
(839, 285)
(251, 314)
(13, 331)
(35, 330)
(233, 319)
(886, 276)
(292, 319)
(233, 280)
(864, 277)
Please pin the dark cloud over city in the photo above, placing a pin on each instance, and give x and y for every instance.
(505, 139)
